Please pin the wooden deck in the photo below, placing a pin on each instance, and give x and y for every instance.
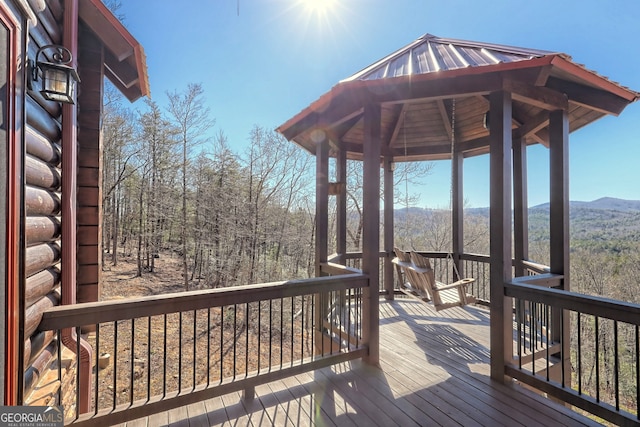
(434, 371)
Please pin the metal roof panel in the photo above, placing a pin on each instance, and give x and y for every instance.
(430, 54)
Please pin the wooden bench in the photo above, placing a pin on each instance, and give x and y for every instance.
(419, 280)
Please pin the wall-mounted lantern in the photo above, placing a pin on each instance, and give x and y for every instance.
(58, 79)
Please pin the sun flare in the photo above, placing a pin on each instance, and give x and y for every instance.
(319, 7)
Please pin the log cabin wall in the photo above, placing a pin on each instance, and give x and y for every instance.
(42, 198)
(90, 68)
(12, 35)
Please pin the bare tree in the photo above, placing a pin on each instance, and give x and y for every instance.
(119, 150)
(192, 120)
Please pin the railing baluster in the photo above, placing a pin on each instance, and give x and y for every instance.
(208, 346)
(322, 316)
(270, 332)
(532, 333)
(59, 355)
(78, 362)
(149, 332)
(235, 341)
(195, 347)
(115, 363)
(547, 319)
(164, 358)
(246, 350)
(519, 331)
(259, 334)
(637, 372)
(222, 314)
(348, 314)
(179, 344)
(281, 330)
(313, 326)
(132, 359)
(98, 353)
(302, 334)
(597, 354)
(616, 364)
(562, 350)
(359, 316)
(579, 352)
(293, 313)
(331, 297)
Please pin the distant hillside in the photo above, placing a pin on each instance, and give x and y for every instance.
(607, 224)
(604, 203)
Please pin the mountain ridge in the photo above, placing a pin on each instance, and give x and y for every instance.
(603, 203)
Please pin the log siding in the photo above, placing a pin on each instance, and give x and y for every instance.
(42, 186)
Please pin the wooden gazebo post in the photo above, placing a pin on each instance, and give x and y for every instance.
(500, 230)
(520, 205)
(388, 167)
(322, 230)
(341, 204)
(457, 212)
(371, 230)
(559, 229)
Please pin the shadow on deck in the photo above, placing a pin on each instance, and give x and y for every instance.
(434, 370)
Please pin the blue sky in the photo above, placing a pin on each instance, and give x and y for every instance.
(264, 64)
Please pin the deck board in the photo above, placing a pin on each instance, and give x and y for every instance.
(434, 370)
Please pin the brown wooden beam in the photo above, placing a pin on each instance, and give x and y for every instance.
(420, 89)
(589, 97)
(421, 151)
(559, 193)
(346, 99)
(446, 120)
(540, 97)
(126, 74)
(342, 128)
(543, 75)
(322, 228)
(500, 231)
(457, 209)
(388, 167)
(533, 125)
(396, 128)
(559, 227)
(341, 206)
(520, 205)
(371, 229)
(322, 203)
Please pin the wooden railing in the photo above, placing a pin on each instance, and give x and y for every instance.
(473, 265)
(597, 370)
(171, 350)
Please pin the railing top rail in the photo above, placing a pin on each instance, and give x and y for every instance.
(536, 267)
(358, 255)
(335, 268)
(588, 304)
(475, 257)
(61, 317)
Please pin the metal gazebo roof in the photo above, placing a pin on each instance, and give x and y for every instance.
(421, 85)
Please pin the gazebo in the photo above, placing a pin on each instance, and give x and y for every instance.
(440, 98)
